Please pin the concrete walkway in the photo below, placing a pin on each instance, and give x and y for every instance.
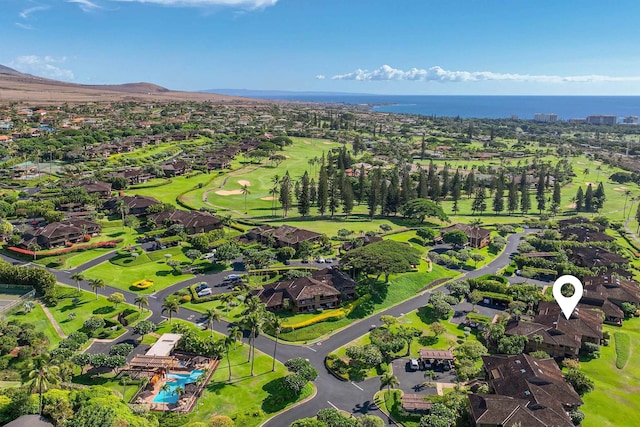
(52, 320)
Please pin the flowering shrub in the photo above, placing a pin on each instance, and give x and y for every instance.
(77, 248)
(143, 284)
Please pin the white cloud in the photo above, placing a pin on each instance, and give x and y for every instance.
(42, 66)
(24, 26)
(321, 77)
(24, 14)
(439, 74)
(251, 4)
(85, 5)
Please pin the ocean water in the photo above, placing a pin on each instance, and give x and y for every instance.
(496, 107)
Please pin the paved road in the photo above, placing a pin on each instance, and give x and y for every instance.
(352, 397)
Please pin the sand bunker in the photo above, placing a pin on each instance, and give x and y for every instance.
(244, 182)
(571, 206)
(327, 143)
(588, 183)
(287, 157)
(580, 163)
(307, 142)
(228, 193)
(269, 199)
(621, 188)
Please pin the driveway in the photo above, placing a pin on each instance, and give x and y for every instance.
(412, 382)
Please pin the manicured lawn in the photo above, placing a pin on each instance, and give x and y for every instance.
(86, 307)
(169, 193)
(37, 318)
(622, 344)
(122, 271)
(251, 400)
(615, 401)
(399, 288)
(109, 381)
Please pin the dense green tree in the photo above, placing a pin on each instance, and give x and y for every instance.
(323, 189)
(599, 197)
(588, 199)
(579, 200)
(479, 202)
(385, 257)
(457, 238)
(423, 185)
(512, 198)
(580, 382)
(525, 200)
(285, 194)
(304, 201)
(470, 184)
(540, 194)
(557, 196)
(498, 199)
(421, 208)
(347, 197)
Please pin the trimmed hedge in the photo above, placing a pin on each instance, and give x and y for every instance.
(77, 248)
(474, 317)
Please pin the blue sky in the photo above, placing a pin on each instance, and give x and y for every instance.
(505, 47)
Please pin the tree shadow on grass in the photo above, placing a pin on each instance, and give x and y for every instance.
(70, 307)
(104, 310)
(279, 396)
(427, 315)
(427, 340)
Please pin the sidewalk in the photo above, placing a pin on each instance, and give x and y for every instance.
(52, 320)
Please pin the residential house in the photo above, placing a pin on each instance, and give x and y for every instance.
(282, 236)
(608, 292)
(193, 221)
(594, 256)
(478, 237)
(137, 205)
(102, 189)
(176, 168)
(324, 289)
(527, 390)
(132, 175)
(585, 234)
(551, 332)
(60, 233)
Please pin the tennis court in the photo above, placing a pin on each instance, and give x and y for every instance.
(9, 295)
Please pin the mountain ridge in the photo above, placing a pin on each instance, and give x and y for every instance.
(16, 86)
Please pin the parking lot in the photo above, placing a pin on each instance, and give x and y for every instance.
(414, 381)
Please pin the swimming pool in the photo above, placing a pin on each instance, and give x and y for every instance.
(174, 381)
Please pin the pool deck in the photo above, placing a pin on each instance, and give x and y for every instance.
(187, 401)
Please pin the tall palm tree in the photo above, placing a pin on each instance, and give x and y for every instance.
(34, 247)
(78, 277)
(179, 391)
(227, 299)
(97, 284)
(253, 322)
(165, 387)
(41, 375)
(211, 316)
(123, 208)
(245, 191)
(388, 380)
(274, 196)
(235, 333)
(227, 346)
(170, 306)
(275, 323)
(626, 197)
(141, 301)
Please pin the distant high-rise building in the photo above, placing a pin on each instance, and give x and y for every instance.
(602, 119)
(630, 120)
(545, 118)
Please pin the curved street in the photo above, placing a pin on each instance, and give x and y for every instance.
(351, 397)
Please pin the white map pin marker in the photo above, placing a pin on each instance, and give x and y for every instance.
(567, 304)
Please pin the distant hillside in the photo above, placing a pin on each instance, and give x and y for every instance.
(28, 89)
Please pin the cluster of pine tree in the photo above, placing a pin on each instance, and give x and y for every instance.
(590, 200)
(387, 190)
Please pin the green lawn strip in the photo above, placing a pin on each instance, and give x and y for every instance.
(614, 388)
(251, 399)
(110, 381)
(623, 349)
(400, 288)
(86, 307)
(39, 319)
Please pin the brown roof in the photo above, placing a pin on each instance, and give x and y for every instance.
(29, 421)
(415, 402)
(595, 257)
(96, 186)
(436, 354)
(585, 234)
(470, 231)
(190, 219)
(539, 381)
(492, 409)
(291, 235)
